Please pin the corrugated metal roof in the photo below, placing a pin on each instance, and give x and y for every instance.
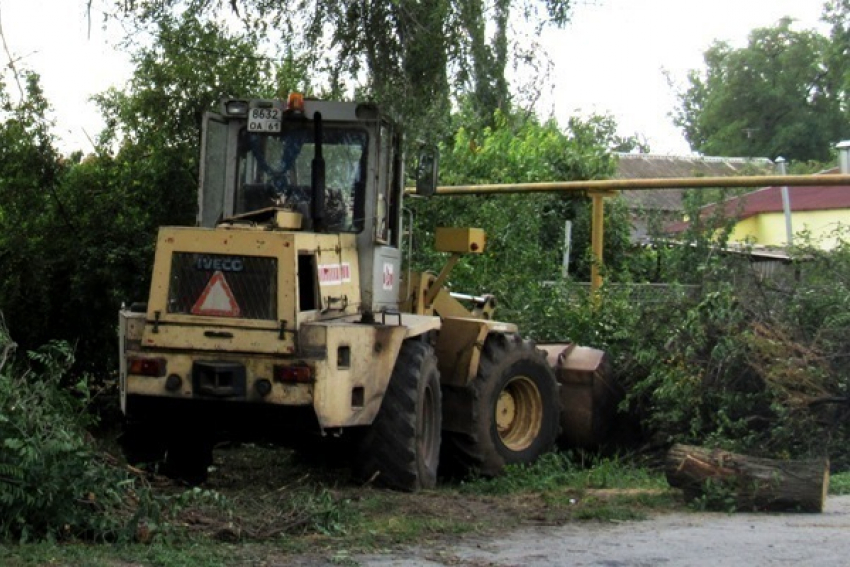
(652, 166)
(648, 166)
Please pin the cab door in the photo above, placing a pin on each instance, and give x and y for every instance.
(386, 263)
(217, 169)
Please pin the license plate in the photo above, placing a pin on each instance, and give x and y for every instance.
(264, 120)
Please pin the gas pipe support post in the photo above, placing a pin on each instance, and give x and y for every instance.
(600, 188)
(597, 237)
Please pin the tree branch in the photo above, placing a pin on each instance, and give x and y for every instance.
(11, 64)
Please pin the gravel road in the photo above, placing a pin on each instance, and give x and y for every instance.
(680, 539)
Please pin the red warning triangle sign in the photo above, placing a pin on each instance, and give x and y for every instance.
(217, 299)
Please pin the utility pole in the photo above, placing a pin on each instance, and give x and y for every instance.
(786, 203)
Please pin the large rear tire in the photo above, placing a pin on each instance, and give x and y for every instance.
(401, 449)
(515, 409)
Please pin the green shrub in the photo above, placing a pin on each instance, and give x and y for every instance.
(561, 470)
(750, 363)
(53, 482)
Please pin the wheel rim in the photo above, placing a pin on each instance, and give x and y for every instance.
(519, 413)
(428, 434)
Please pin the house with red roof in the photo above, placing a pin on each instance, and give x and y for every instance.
(819, 212)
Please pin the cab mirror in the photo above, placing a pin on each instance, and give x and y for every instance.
(427, 171)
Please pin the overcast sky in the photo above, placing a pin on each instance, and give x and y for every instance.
(612, 56)
(609, 59)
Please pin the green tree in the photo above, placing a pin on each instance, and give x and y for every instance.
(31, 214)
(525, 232)
(774, 97)
(408, 55)
(108, 206)
(837, 15)
(191, 66)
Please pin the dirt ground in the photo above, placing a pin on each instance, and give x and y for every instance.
(672, 539)
(456, 528)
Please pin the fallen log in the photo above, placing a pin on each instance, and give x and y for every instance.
(750, 483)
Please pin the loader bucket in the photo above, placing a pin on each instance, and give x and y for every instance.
(588, 394)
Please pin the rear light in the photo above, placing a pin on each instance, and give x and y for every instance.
(153, 367)
(298, 374)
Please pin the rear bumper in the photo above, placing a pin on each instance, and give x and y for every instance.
(349, 368)
(217, 377)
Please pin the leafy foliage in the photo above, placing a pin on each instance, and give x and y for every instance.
(29, 208)
(777, 96)
(410, 56)
(52, 480)
(839, 484)
(836, 13)
(109, 205)
(525, 232)
(741, 360)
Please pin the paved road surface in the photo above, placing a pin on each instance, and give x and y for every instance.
(681, 539)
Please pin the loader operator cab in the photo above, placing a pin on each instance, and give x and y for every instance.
(276, 170)
(337, 165)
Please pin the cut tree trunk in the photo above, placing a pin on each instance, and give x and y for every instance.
(748, 483)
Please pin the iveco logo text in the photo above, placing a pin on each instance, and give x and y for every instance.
(220, 263)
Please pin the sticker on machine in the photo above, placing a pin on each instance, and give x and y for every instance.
(389, 277)
(217, 299)
(334, 274)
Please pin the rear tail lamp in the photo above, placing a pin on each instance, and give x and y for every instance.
(298, 374)
(153, 367)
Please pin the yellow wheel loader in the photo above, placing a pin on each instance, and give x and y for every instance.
(286, 312)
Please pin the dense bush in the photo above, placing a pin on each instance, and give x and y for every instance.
(722, 356)
(741, 360)
(53, 481)
(77, 233)
(525, 232)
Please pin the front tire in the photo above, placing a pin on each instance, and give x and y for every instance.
(515, 410)
(401, 449)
